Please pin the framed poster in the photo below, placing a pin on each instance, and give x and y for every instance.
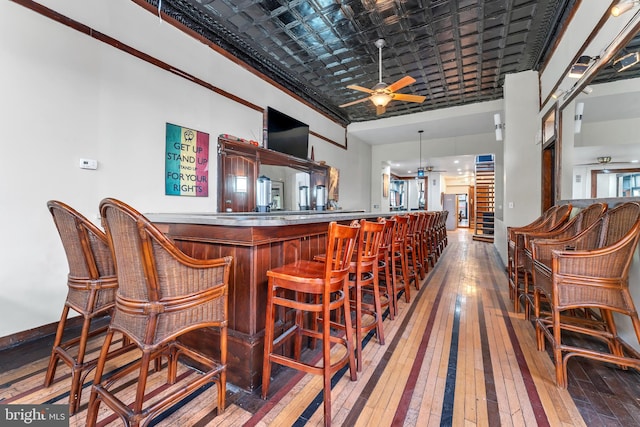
(186, 162)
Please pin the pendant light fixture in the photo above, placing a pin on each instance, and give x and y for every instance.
(420, 168)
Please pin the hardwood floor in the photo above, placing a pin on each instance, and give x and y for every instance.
(455, 355)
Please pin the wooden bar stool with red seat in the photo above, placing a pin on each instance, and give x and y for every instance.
(411, 249)
(386, 273)
(319, 288)
(400, 264)
(364, 281)
(417, 245)
(92, 286)
(427, 238)
(162, 295)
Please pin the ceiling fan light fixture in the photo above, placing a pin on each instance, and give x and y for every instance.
(381, 99)
(604, 159)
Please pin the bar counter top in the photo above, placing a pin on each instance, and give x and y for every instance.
(267, 219)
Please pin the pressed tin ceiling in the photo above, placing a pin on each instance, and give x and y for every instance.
(457, 51)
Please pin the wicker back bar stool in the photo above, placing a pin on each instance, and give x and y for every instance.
(581, 221)
(511, 242)
(556, 219)
(588, 274)
(162, 295)
(92, 286)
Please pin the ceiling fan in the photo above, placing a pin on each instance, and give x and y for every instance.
(382, 93)
(602, 160)
(430, 169)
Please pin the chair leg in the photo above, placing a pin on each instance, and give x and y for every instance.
(76, 363)
(53, 359)
(172, 365)
(268, 341)
(405, 274)
(413, 264)
(145, 360)
(615, 347)
(326, 357)
(561, 380)
(525, 295)
(394, 282)
(94, 400)
(358, 315)
(388, 286)
(222, 384)
(378, 307)
(76, 370)
(536, 312)
(348, 333)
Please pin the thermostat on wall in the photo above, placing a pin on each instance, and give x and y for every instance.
(88, 164)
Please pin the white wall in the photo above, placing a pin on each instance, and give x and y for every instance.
(522, 161)
(67, 96)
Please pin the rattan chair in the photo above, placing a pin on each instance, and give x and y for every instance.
(162, 294)
(556, 219)
(511, 243)
(318, 288)
(581, 221)
(91, 292)
(588, 273)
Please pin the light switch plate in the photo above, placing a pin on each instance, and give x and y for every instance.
(88, 164)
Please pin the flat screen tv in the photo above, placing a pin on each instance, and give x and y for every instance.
(286, 134)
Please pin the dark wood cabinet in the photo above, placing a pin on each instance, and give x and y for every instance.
(239, 164)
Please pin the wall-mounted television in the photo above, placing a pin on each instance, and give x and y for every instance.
(286, 134)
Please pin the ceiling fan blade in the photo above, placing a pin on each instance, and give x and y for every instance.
(360, 88)
(354, 102)
(409, 98)
(405, 81)
(380, 110)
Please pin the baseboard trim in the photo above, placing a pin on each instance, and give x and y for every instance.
(29, 335)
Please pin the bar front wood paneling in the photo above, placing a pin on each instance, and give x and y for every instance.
(256, 246)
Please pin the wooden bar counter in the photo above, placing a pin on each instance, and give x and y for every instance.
(257, 243)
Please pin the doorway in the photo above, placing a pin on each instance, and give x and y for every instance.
(463, 210)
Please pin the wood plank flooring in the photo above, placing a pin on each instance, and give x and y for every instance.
(455, 355)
